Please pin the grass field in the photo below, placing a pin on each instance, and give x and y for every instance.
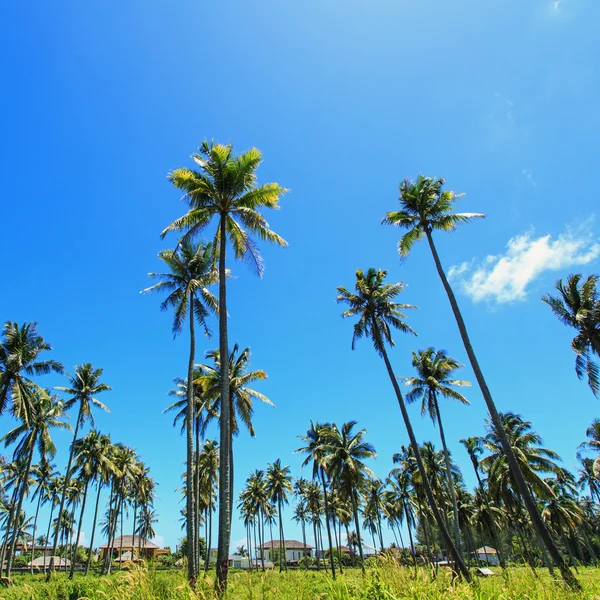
(385, 582)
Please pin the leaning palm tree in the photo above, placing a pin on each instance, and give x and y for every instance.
(20, 348)
(48, 412)
(84, 386)
(279, 485)
(426, 207)
(578, 306)
(225, 189)
(373, 304)
(434, 379)
(191, 271)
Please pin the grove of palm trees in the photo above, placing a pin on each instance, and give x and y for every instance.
(533, 516)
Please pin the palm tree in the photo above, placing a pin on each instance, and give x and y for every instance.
(345, 451)
(301, 515)
(587, 478)
(84, 386)
(425, 207)
(225, 189)
(100, 452)
(43, 474)
(191, 271)
(373, 304)
(241, 406)
(578, 306)
(20, 349)
(474, 447)
(208, 471)
(316, 451)
(279, 485)
(47, 412)
(434, 372)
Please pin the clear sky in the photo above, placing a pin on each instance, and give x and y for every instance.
(101, 99)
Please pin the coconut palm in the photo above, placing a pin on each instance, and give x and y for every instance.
(426, 207)
(225, 189)
(43, 474)
(578, 306)
(474, 447)
(301, 515)
(191, 272)
(377, 312)
(279, 485)
(434, 379)
(588, 478)
(344, 453)
(84, 385)
(47, 412)
(20, 349)
(208, 472)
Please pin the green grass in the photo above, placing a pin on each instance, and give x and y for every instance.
(387, 581)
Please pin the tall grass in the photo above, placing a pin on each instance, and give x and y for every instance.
(386, 581)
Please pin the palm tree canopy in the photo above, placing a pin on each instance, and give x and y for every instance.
(20, 348)
(425, 206)
(83, 387)
(241, 396)
(592, 444)
(434, 371)
(373, 304)
(191, 271)
(279, 482)
(578, 306)
(226, 185)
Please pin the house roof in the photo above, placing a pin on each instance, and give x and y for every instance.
(486, 550)
(127, 539)
(58, 561)
(288, 545)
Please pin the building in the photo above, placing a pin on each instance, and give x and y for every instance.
(133, 547)
(294, 551)
(237, 561)
(43, 561)
(487, 554)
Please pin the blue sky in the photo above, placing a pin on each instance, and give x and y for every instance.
(344, 100)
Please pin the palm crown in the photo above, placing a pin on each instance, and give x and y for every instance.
(226, 185)
(373, 304)
(578, 306)
(425, 206)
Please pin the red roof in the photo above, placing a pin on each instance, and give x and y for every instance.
(288, 545)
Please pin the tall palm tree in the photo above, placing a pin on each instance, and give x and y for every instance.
(434, 378)
(225, 189)
(316, 451)
(191, 272)
(578, 306)
(47, 412)
(84, 385)
(345, 451)
(100, 463)
(208, 471)
(426, 207)
(377, 312)
(587, 478)
(279, 485)
(20, 349)
(43, 474)
(241, 397)
(301, 515)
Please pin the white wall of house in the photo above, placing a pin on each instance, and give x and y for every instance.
(290, 555)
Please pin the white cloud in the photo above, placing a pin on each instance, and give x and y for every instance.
(504, 278)
(527, 174)
(555, 6)
(83, 541)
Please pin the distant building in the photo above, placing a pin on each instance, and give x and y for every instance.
(294, 551)
(487, 554)
(43, 561)
(132, 547)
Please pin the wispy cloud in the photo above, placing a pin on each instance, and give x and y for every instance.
(528, 175)
(555, 6)
(505, 278)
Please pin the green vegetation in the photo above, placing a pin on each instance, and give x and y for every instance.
(385, 581)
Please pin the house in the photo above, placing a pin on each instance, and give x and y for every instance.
(40, 560)
(237, 561)
(133, 546)
(294, 551)
(487, 554)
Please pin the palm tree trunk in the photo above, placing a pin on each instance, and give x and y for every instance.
(262, 552)
(52, 503)
(91, 549)
(189, 430)
(133, 555)
(462, 568)
(225, 426)
(64, 491)
(532, 509)
(24, 486)
(304, 542)
(197, 490)
(282, 557)
(357, 526)
(37, 512)
(85, 490)
(209, 535)
(121, 539)
(410, 537)
(317, 555)
(326, 500)
(451, 488)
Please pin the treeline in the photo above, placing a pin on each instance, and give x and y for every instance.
(94, 464)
